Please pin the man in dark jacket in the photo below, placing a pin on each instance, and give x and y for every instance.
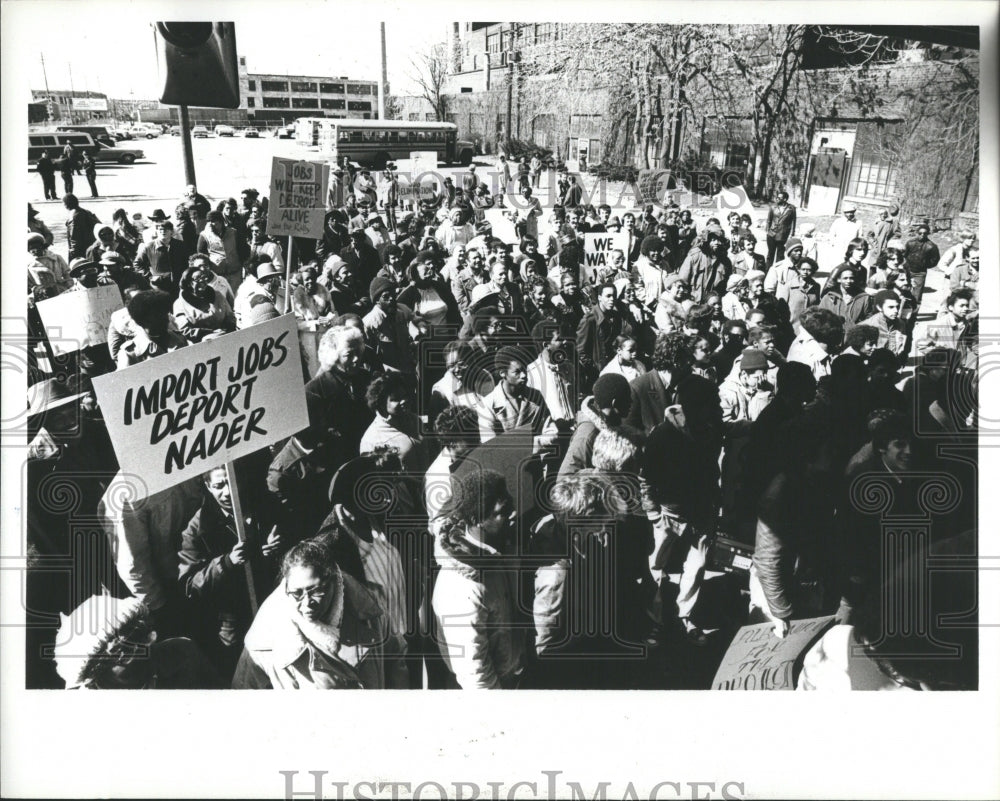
(597, 332)
(163, 260)
(780, 226)
(681, 469)
(362, 257)
(212, 571)
(919, 256)
(335, 399)
(47, 169)
(653, 392)
(848, 299)
(79, 227)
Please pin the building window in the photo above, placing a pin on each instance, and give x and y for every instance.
(358, 105)
(243, 61)
(250, 102)
(252, 85)
(305, 102)
(332, 88)
(276, 102)
(303, 86)
(871, 177)
(359, 89)
(274, 86)
(413, 117)
(493, 43)
(430, 117)
(329, 102)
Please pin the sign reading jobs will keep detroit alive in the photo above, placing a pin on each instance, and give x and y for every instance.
(298, 198)
(180, 414)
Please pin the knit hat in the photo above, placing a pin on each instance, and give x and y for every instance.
(379, 285)
(612, 389)
(753, 359)
(36, 240)
(651, 243)
(673, 278)
(883, 296)
(754, 275)
(792, 243)
(735, 280)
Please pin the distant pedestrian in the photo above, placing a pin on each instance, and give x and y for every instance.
(780, 226)
(47, 169)
(919, 256)
(65, 166)
(90, 170)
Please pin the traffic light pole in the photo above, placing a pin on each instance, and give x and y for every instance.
(188, 151)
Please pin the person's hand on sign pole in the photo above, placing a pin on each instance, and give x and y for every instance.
(272, 545)
(238, 554)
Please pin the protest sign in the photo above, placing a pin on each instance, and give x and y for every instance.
(597, 250)
(82, 317)
(759, 660)
(654, 187)
(297, 198)
(503, 226)
(180, 414)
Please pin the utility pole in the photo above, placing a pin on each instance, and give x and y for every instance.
(384, 83)
(188, 151)
(49, 106)
(72, 94)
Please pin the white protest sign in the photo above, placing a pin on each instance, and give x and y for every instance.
(82, 316)
(503, 226)
(597, 250)
(180, 414)
(757, 660)
(297, 198)
(654, 187)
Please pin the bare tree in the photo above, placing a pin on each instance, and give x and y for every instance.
(934, 150)
(429, 69)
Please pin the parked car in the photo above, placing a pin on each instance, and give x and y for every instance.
(251, 133)
(175, 130)
(147, 131)
(224, 130)
(199, 132)
(121, 134)
(285, 132)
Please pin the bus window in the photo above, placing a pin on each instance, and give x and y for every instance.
(356, 136)
(393, 136)
(344, 136)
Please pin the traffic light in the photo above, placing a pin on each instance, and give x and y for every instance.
(198, 64)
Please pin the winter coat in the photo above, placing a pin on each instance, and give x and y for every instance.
(580, 451)
(475, 607)
(276, 654)
(705, 272)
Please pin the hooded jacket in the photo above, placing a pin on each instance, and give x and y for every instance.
(475, 605)
(580, 451)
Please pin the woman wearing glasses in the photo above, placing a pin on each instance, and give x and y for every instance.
(319, 630)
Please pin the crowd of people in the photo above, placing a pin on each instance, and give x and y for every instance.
(517, 469)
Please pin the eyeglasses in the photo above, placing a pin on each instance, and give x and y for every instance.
(311, 593)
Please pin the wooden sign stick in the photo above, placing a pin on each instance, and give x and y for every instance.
(241, 532)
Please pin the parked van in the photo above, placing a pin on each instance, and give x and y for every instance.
(55, 141)
(99, 133)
